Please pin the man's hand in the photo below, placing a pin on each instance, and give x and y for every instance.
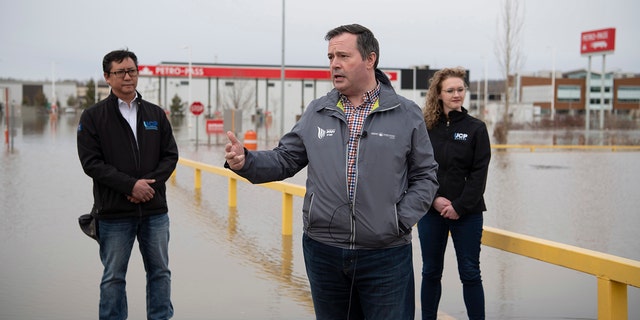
(234, 152)
(134, 200)
(142, 191)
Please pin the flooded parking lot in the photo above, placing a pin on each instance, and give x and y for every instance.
(233, 263)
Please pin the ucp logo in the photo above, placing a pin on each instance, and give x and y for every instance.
(150, 125)
(460, 136)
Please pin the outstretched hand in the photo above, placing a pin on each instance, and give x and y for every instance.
(234, 152)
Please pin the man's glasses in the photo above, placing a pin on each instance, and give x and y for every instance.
(120, 73)
(451, 92)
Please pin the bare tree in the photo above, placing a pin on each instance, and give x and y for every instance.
(240, 95)
(510, 58)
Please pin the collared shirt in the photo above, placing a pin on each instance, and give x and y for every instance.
(355, 120)
(129, 111)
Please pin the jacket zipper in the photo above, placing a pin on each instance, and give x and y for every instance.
(136, 150)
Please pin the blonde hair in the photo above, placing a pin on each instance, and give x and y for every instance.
(433, 105)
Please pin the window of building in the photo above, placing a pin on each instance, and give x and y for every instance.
(568, 93)
(598, 89)
(597, 101)
(629, 94)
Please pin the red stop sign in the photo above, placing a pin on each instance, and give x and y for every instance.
(197, 108)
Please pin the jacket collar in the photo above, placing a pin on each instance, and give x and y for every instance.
(113, 97)
(454, 116)
(387, 99)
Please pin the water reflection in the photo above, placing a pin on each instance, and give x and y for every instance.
(274, 265)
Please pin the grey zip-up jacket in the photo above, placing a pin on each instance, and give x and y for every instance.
(396, 171)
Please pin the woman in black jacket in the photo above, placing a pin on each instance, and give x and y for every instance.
(462, 149)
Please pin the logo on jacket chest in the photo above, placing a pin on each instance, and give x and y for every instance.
(458, 136)
(150, 125)
(325, 133)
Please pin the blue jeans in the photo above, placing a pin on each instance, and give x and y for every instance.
(116, 239)
(466, 233)
(360, 284)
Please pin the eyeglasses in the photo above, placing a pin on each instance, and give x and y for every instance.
(120, 73)
(451, 92)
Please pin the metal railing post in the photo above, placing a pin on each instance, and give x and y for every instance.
(612, 300)
(197, 179)
(287, 214)
(233, 192)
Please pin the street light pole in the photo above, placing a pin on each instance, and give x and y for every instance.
(189, 116)
(603, 75)
(553, 84)
(190, 76)
(587, 113)
(486, 85)
(282, 78)
(415, 78)
(53, 84)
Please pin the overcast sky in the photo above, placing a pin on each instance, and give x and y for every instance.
(68, 38)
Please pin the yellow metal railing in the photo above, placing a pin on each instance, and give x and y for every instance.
(288, 189)
(614, 273)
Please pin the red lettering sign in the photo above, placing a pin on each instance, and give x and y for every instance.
(598, 41)
(242, 72)
(197, 108)
(215, 126)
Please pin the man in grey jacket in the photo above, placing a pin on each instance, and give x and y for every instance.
(371, 176)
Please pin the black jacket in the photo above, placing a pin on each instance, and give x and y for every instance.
(110, 155)
(462, 149)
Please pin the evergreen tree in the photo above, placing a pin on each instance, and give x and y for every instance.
(176, 106)
(72, 101)
(90, 96)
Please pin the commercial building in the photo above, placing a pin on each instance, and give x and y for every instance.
(254, 92)
(617, 92)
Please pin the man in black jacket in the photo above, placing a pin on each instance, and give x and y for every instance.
(126, 145)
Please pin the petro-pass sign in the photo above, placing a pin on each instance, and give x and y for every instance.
(243, 72)
(598, 41)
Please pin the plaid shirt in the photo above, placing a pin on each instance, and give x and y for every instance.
(355, 119)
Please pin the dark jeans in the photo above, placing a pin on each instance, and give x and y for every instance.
(466, 233)
(360, 284)
(116, 239)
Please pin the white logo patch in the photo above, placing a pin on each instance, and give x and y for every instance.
(460, 136)
(325, 133)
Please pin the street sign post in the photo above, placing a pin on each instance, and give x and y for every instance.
(197, 108)
(602, 41)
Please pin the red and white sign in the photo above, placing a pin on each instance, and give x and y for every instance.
(598, 41)
(215, 126)
(197, 108)
(214, 71)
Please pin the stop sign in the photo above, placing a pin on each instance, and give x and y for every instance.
(197, 108)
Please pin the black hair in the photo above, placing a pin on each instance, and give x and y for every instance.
(117, 56)
(366, 42)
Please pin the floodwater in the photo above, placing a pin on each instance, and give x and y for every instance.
(234, 263)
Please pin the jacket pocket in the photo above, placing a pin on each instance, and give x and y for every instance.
(306, 211)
